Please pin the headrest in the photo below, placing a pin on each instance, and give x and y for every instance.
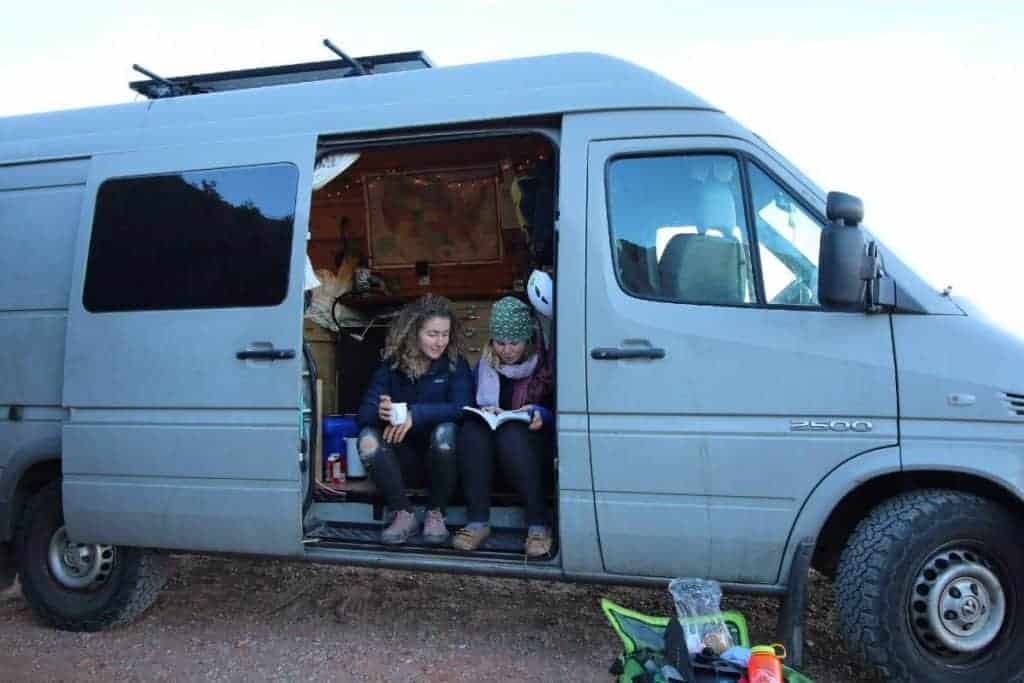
(717, 208)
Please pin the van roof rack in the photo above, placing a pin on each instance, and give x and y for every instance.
(157, 87)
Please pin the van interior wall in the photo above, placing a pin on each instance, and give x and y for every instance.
(341, 226)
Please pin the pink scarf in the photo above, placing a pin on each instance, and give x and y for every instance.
(488, 384)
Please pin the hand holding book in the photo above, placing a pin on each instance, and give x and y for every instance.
(497, 417)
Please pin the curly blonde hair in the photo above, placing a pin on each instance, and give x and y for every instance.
(401, 347)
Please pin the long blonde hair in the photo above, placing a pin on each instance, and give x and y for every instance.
(401, 347)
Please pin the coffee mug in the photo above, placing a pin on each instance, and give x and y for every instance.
(399, 413)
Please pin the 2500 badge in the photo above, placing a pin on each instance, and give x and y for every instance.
(830, 426)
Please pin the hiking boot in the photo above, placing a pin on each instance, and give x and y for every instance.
(538, 541)
(403, 525)
(470, 537)
(434, 530)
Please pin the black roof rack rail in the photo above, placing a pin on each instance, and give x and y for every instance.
(157, 87)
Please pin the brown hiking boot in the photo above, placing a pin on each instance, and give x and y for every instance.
(434, 530)
(403, 526)
(538, 542)
(470, 538)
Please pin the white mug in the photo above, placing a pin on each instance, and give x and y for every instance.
(399, 413)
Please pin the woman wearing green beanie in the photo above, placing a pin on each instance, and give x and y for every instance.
(515, 371)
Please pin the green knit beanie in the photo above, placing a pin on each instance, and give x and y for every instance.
(511, 321)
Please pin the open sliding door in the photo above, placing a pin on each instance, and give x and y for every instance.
(184, 349)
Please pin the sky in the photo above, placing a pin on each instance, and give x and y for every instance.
(917, 107)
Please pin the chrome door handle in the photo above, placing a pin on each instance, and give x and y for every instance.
(606, 353)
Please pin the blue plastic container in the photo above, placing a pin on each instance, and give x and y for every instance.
(336, 429)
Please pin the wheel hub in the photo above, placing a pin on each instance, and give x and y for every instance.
(958, 604)
(76, 565)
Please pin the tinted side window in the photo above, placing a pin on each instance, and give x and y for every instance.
(218, 238)
(678, 229)
(788, 239)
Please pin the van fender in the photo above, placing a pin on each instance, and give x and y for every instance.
(998, 462)
(833, 487)
(28, 454)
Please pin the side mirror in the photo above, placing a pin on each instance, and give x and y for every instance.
(850, 273)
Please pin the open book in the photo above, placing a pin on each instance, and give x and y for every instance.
(495, 421)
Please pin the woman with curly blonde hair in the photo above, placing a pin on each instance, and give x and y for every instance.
(422, 368)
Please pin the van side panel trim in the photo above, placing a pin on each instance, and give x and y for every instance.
(45, 174)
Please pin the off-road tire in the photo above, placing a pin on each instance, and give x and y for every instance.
(883, 563)
(133, 583)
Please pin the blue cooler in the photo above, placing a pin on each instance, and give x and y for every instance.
(340, 433)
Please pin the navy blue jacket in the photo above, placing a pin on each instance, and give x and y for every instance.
(436, 397)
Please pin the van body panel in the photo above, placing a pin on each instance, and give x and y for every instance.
(724, 472)
(579, 544)
(579, 548)
(187, 486)
(833, 487)
(31, 358)
(60, 135)
(445, 96)
(40, 205)
(37, 253)
(976, 361)
(220, 469)
(44, 174)
(961, 405)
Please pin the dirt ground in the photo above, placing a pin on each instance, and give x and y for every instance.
(228, 619)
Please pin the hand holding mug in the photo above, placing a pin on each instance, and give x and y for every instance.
(384, 408)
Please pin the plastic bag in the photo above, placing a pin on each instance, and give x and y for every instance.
(698, 608)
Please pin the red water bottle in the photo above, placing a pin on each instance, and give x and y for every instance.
(765, 665)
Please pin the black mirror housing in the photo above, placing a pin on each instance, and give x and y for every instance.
(850, 272)
(844, 208)
(840, 264)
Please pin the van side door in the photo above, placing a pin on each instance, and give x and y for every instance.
(184, 349)
(720, 393)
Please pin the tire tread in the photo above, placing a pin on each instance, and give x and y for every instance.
(144, 574)
(879, 542)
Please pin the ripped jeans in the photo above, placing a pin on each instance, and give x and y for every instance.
(432, 455)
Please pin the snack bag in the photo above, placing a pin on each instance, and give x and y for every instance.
(698, 609)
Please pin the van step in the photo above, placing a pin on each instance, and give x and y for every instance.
(501, 540)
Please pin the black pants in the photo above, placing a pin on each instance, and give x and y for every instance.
(387, 462)
(522, 456)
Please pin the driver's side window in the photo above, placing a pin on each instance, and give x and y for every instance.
(788, 240)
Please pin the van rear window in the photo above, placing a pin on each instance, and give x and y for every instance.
(217, 238)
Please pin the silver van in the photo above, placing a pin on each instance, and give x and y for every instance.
(749, 384)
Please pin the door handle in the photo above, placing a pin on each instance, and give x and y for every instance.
(265, 354)
(605, 353)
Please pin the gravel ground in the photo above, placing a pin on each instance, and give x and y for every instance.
(226, 619)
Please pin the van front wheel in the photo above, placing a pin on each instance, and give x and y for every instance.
(81, 587)
(931, 587)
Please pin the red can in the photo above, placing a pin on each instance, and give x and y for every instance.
(335, 469)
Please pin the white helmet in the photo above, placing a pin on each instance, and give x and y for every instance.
(541, 291)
